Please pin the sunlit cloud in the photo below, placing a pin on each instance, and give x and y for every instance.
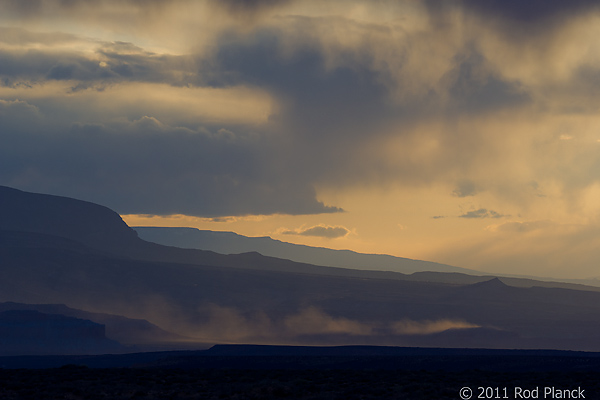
(481, 213)
(330, 232)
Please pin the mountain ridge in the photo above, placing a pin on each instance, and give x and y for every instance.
(380, 265)
(34, 332)
(250, 298)
(234, 243)
(121, 329)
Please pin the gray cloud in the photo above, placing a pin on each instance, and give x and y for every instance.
(150, 168)
(531, 12)
(527, 226)
(143, 166)
(337, 106)
(119, 62)
(252, 7)
(330, 232)
(465, 188)
(327, 115)
(475, 88)
(481, 213)
(516, 20)
(36, 8)
(21, 36)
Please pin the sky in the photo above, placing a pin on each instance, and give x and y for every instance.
(459, 131)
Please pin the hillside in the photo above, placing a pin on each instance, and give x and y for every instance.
(233, 243)
(117, 328)
(250, 298)
(33, 332)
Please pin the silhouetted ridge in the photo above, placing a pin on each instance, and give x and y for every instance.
(492, 289)
(88, 223)
(116, 327)
(492, 284)
(232, 243)
(33, 332)
(278, 300)
(97, 227)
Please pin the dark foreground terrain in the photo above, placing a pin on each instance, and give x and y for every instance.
(77, 382)
(296, 372)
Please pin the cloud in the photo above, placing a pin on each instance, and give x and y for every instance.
(36, 8)
(23, 37)
(330, 232)
(476, 88)
(15, 114)
(513, 12)
(249, 8)
(526, 226)
(481, 213)
(21, 109)
(383, 95)
(149, 167)
(465, 188)
(56, 56)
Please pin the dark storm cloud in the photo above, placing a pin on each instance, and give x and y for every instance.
(149, 168)
(22, 8)
(323, 96)
(532, 11)
(325, 116)
(331, 112)
(326, 113)
(330, 232)
(36, 8)
(249, 6)
(332, 103)
(516, 19)
(482, 213)
(475, 88)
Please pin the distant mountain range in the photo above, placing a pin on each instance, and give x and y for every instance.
(56, 250)
(233, 243)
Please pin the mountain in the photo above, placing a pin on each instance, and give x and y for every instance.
(226, 304)
(32, 332)
(101, 229)
(232, 243)
(379, 265)
(250, 298)
(118, 328)
(90, 224)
